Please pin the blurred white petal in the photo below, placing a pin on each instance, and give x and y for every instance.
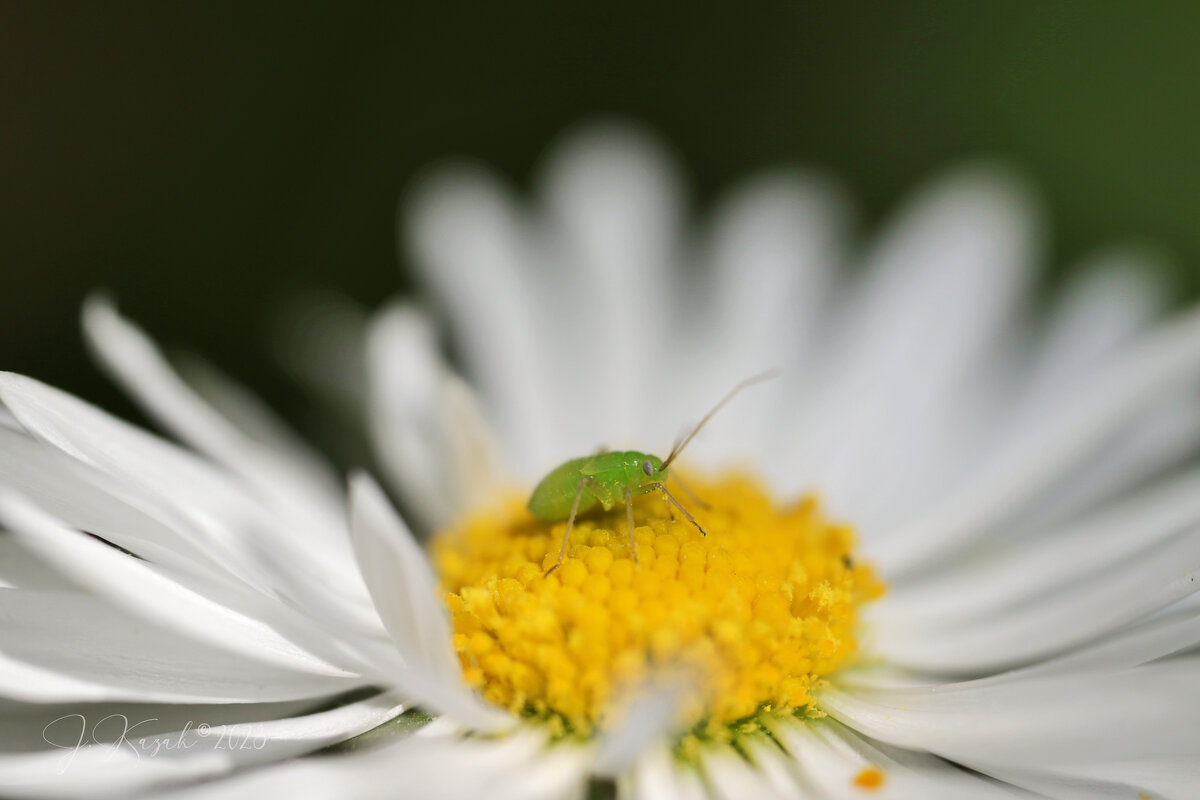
(468, 243)
(1166, 359)
(426, 424)
(731, 777)
(615, 205)
(774, 249)
(298, 489)
(940, 286)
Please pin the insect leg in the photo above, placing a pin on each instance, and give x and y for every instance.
(629, 516)
(562, 553)
(682, 510)
(691, 495)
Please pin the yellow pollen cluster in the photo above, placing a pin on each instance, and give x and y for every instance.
(760, 608)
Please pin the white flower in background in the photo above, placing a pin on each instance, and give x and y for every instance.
(1018, 480)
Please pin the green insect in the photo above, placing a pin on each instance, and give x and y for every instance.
(579, 485)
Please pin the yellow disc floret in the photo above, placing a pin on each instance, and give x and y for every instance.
(760, 608)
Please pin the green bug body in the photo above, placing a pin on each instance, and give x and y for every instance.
(579, 485)
(607, 476)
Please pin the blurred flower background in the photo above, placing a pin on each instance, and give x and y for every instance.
(200, 161)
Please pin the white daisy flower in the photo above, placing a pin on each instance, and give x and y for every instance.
(1017, 481)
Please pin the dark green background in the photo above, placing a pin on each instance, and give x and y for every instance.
(199, 162)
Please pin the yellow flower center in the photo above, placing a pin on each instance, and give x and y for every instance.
(763, 606)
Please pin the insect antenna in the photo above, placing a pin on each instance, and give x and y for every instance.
(759, 378)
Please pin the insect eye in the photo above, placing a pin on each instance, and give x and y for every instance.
(647, 468)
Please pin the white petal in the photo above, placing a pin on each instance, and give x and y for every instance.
(137, 587)
(91, 501)
(419, 767)
(427, 428)
(190, 547)
(1111, 297)
(614, 205)
(774, 247)
(1165, 436)
(406, 594)
(356, 631)
(1046, 783)
(1033, 461)
(300, 489)
(1070, 617)
(1173, 632)
(102, 654)
(658, 776)
(34, 684)
(830, 758)
(399, 577)
(731, 777)
(650, 714)
(471, 248)
(20, 569)
(167, 537)
(941, 286)
(777, 767)
(1156, 777)
(22, 725)
(220, 510)
(1152, 711)
(1017, 568)
(135, 756)
(254, 419)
